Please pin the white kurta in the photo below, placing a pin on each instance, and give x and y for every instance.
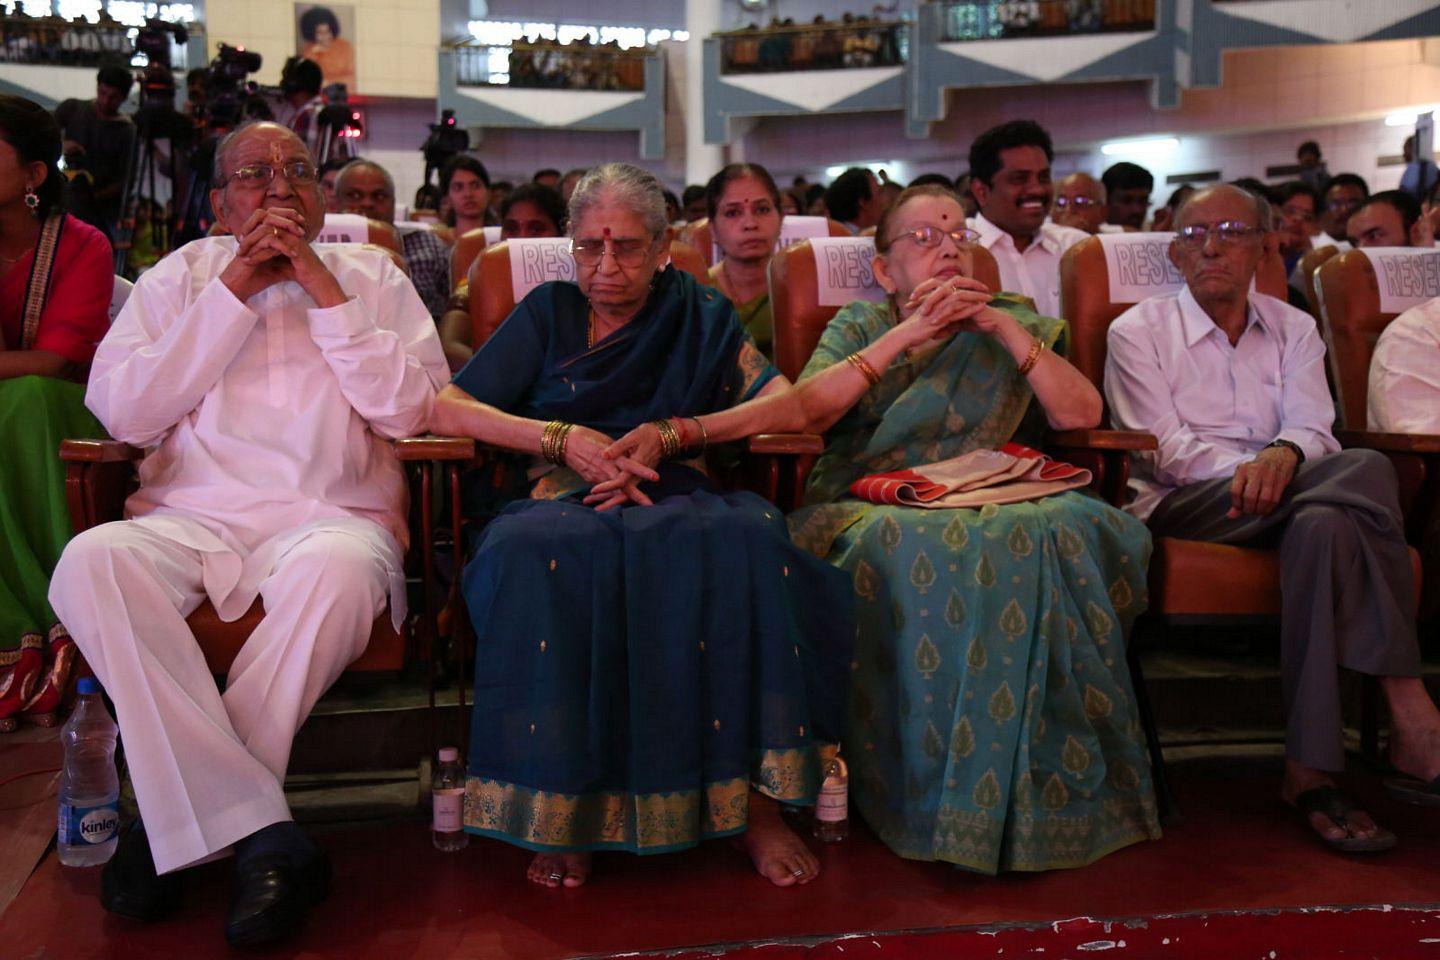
(1404, 393)
(267, 474)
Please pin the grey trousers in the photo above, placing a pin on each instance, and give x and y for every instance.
(1347, 589)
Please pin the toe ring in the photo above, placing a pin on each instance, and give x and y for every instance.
(797, 874)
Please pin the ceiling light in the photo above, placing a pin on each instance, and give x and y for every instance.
(1156, 147)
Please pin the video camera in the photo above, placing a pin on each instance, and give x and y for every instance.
(445, 141)
(229, 98)
(155, 37)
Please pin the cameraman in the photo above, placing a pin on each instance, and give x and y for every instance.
(302, 102)
(98, 141)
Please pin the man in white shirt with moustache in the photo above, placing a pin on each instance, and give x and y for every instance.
(1232, 385)
(1010, 167)
(263, 375)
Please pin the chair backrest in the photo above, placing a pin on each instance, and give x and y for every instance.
(1361, 291)
(1312, 261)
(1103, 276)
(353, 228)
(811, 281)
(792, 231)
(505, 272)
(462, 255)
(118, 295)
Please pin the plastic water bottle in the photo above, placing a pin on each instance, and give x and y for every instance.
(89, 786)
(447, 795)
(832, 807)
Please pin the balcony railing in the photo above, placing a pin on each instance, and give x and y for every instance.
(828, 46)
(1002, 19)
(551, 65)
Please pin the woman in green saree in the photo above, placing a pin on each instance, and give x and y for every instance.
(991, 721)
(55, 284)
(745, 223)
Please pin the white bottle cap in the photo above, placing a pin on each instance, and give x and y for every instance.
(449, 754)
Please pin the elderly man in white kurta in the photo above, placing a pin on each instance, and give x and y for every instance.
(264, 376)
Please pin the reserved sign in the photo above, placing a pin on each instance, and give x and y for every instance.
(344, 228)
(1139, 266)
(845, 270)
(1407, 276)
(537, 260)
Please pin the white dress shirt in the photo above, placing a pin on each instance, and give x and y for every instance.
(1170, 371)
(1035, 272)
(267, 416)
(1404, 394)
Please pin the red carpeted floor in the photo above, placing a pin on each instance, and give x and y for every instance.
(1237, 858)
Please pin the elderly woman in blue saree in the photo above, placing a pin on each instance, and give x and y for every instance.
(649, 648)
(991, 721)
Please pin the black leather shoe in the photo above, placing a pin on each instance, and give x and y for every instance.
(129, 885)
(272, 894)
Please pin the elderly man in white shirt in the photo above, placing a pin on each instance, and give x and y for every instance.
(1010, 170)
(1232, 385)
(263, 375)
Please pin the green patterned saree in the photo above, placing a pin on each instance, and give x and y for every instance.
(991, 721)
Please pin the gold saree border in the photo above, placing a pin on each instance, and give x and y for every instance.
(645, 823)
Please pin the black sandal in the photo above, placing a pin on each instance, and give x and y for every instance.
(1328, 800)
(1409, 789)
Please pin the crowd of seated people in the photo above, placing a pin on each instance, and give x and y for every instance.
(992, 20)
(855, 40)
(970, 662)
(581, 64)
(59, 42)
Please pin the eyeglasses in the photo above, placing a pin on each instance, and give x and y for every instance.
(257, 175)
(1338, 205)
(928, 238)
(1226, 233)
(1079, 203)
(1295, 213)
(625, 253)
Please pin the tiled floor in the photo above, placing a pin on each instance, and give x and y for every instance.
(1236, 849)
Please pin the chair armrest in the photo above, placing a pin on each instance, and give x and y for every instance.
(98, 451)
(435, 448)
(1101, 440)
(1422, 443)
(787, 444)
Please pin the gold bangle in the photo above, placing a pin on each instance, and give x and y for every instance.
(1033, 357)
(552, 440)
(866, 371)
(561, 441)
(704, 437)
(669, 438)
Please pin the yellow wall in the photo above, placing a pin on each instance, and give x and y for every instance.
(396, 41)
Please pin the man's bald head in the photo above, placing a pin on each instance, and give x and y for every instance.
(366, 188)
(255, 130)
(278, 173)
(1080, 203)
(1262, 215)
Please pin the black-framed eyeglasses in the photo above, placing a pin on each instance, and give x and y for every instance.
(255, 175)
(928, 238)
(626, 253)
(1079, 203)
(1226, 233)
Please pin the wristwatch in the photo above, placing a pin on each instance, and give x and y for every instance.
(1292, 447)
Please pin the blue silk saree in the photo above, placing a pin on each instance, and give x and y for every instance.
(638, 671)
(991, 721)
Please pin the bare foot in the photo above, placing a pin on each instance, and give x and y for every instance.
(778, 854)
(1298, 779)
(553, 869)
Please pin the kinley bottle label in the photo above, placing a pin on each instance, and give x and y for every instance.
(89, 825)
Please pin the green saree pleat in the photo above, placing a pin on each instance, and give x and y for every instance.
(36, 413)
(991, 721)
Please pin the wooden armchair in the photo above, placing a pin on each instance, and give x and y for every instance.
(1310, 263)
(1191, 582)
(100, 474)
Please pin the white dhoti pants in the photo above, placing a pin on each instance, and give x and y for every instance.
(209, 769)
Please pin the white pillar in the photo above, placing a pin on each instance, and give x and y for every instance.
(702, 160)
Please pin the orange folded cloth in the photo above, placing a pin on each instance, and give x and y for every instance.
(1009, 475)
